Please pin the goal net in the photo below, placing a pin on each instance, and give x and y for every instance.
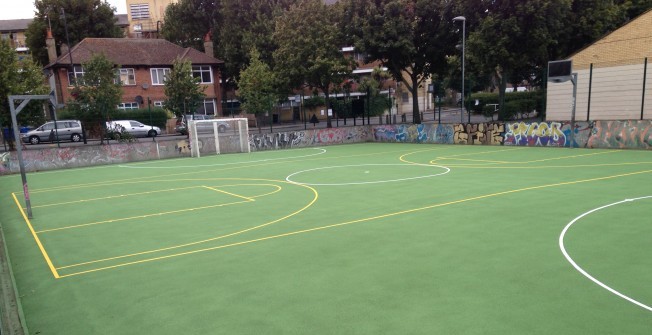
(218, 136)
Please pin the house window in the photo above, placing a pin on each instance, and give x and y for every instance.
(139, 11)
(203, 72)
(159, 75)
(207, 107)
(125, 76)
(158, 104)
(128, 105)
(75, 75)
(405, 97)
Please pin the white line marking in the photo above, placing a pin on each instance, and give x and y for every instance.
(447, 170)
(586, 274)
(321, 151)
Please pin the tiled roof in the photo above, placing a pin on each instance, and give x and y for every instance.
(14, 25)
(134, 51)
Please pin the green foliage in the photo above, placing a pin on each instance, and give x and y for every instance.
(183, 91)
(309, 48)
(85, 18)
(411, 38)
(519, 103)
(378, 104)
(256, 86)
(314, 102)
(16, 77)
(96, 94)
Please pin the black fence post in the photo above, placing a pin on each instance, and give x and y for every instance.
(588, 108)
(643, 95)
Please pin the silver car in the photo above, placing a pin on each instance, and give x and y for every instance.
(134, 128)
(63, 130)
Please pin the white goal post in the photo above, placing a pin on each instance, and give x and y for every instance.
(218, 136)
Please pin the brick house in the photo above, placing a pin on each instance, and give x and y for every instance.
(143, 65)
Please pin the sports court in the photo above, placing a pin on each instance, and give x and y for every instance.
(374, 238)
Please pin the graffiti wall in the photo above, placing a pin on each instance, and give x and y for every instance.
(598, 134)
(480, 133)
(621, 135)
(79, 156)
(308, 138)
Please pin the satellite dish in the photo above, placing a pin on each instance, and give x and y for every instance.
(145, 86)
(139, 99)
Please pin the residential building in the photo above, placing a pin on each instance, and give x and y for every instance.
(14, 32)
(146, 17)
(614, 77)
(142, 67)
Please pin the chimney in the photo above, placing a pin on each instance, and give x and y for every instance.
(64, 49)
(208, 45)
(52, 49)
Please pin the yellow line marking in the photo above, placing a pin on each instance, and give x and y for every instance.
(113, 197)
(565, 157)
(475, 166)
(38, 241)
(469, 159)
(315, 197)
(229, 193)
(221, 169)
(360, 220)
(141, 216)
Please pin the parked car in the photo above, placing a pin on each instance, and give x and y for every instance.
(132, 127)
(182, 128)
(63, 130)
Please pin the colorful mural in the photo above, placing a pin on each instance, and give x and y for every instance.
(597, 134)
(621, 135)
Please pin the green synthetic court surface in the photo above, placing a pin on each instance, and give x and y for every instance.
(370, 238)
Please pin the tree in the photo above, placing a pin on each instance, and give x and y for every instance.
(85, 18)
(96, 94)
(516, 39)
(256, 86)
(182, 89)
(309, 43)
(18, 78)
(371, 86)
(412, 38)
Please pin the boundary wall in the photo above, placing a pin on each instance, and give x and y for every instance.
(594, 134)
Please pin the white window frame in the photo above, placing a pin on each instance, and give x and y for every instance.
(127, 105)
(77, 73)
(139, 11)
(204, 103)
(156, 74)
(198, 71)
(128, 73)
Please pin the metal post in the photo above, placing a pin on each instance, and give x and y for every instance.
(572, 125)
(151, 124)
(463, 19)
(643, 95)
(588, 107)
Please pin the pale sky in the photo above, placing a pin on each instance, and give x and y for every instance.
(24, 9)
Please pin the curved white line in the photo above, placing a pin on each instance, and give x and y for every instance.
(586, 274)
(322, 151)
(367, 182)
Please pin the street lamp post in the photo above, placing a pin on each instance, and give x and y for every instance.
(463, 19)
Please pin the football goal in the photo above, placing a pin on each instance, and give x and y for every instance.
(218, 136)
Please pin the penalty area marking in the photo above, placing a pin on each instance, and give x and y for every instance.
(321, 151)
(582, 271)
(289, 178)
